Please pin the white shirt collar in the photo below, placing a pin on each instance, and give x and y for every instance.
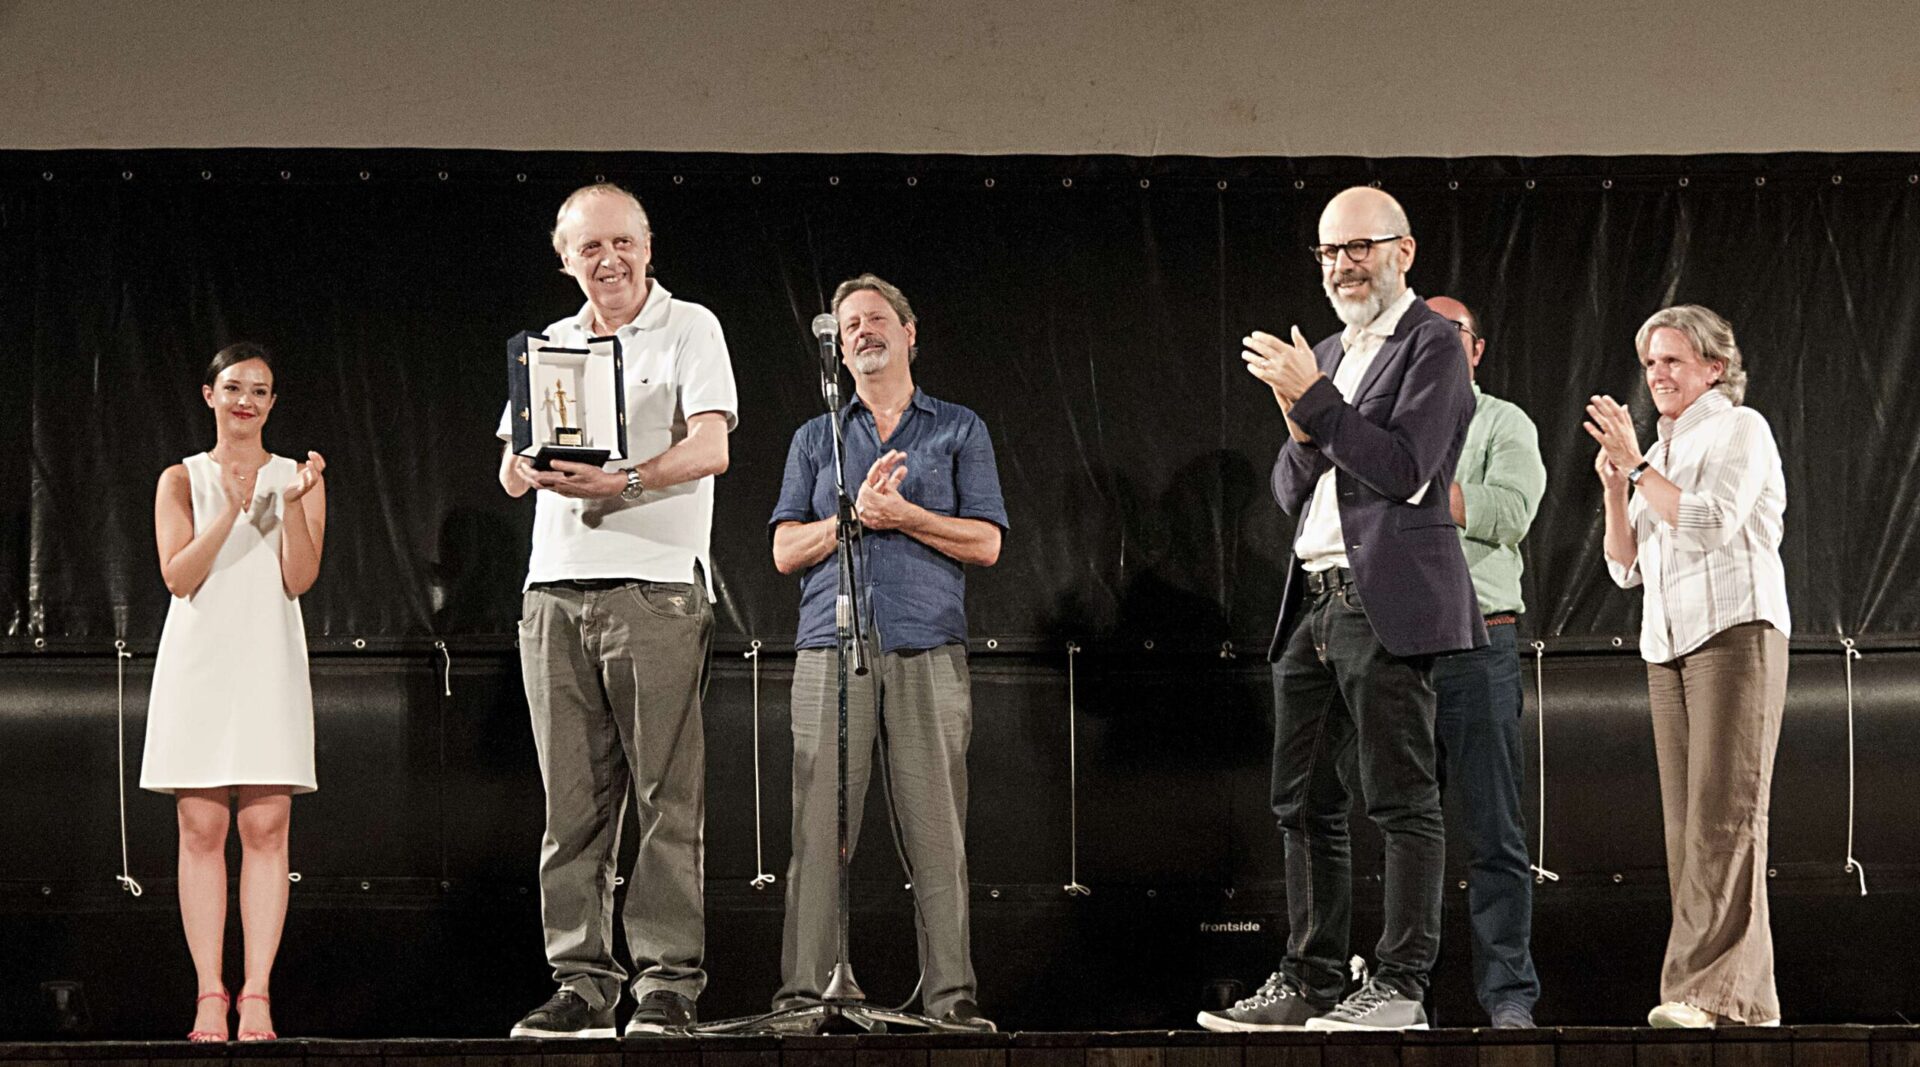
(653, 312)
(1704, 406)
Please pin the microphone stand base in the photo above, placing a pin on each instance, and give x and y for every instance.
(833, 1017)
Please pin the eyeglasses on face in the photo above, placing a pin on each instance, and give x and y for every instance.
(1357, 250)
(1462, 327)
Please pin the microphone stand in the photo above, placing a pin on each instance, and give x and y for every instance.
(842, 1007)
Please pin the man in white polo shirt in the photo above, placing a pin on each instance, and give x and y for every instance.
(615, 626)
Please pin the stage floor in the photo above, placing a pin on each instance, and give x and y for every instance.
(1799, 1046)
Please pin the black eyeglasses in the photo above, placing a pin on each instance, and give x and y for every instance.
(1462, 327)
(1357, 250)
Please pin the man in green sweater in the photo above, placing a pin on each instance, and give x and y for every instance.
(1496, 491)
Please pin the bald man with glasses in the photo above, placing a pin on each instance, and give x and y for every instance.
(1378, 587)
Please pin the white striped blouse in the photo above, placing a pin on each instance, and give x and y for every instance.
(1719, 566)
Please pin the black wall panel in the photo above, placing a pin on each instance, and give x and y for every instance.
(420, 846)
(1088, 307)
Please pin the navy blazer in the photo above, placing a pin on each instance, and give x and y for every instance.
(1404, 430)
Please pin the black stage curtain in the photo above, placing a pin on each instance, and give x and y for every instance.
(1089, 308)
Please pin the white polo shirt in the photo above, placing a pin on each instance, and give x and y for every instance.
(676, 365)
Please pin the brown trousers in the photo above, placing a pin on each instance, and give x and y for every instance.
(1716, 724)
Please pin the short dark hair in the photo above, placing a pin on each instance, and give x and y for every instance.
(235, 353)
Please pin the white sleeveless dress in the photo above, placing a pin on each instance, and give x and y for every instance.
(231, 702)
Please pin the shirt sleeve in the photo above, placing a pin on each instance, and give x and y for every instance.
(796, 485)
(1624, 577)
(1629, 577)
(977, 478)
(705, 370)
(1735, 475)
(505, 432)
(1501, 508)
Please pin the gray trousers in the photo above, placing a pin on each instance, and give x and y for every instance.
(614, 675)
(927, 711)
(1716, 725)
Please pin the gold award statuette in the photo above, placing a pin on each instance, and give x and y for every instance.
(563, 434)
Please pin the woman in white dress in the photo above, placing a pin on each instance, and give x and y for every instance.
(230, 719)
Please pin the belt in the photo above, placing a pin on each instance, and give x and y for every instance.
(1331, 580)
(585, 585)
(1505, 618)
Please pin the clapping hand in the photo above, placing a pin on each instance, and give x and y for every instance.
(1611, 425)
(1287, 367)
(306, 479)
(880, 505)
(1612, 478)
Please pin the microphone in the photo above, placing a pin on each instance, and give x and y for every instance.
(826, 330)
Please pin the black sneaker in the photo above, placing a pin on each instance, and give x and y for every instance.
(661, 1011)
(1278, 1004)
(966, 1014)
(565, 1014)
(1375, 1006)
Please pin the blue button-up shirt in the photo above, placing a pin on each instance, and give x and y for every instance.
(915, 594)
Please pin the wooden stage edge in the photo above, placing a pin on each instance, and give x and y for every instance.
(1792, 1046)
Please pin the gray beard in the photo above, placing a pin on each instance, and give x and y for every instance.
(1384, 290)
(871, 362)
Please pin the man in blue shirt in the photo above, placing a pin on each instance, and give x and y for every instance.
(927, 495)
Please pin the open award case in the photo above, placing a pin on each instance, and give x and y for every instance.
(569, 402)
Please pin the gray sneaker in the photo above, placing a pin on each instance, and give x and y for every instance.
(1375, 1006)
(1510, 1016)
(565, 1014)
(1278, 1004)
(661, 1011)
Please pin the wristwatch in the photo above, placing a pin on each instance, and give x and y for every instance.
(635, 488)
(1633, 476)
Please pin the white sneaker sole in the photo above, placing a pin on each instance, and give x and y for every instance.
(1328, 1024)
(1220, 1025)
(528, 1031)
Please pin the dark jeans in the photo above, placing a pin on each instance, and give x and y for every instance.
(1480, 752)
(1343, 704)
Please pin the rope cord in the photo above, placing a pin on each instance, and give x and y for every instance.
(1540, 871)
(125, 877)
(1073, 887)
(1853, 866)
(761, 879)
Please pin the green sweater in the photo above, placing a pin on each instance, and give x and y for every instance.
(1501, 480)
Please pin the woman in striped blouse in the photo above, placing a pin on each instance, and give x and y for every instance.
(1696, 522)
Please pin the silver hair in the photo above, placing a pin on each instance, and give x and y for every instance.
(596, 189)
(1710, 335)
